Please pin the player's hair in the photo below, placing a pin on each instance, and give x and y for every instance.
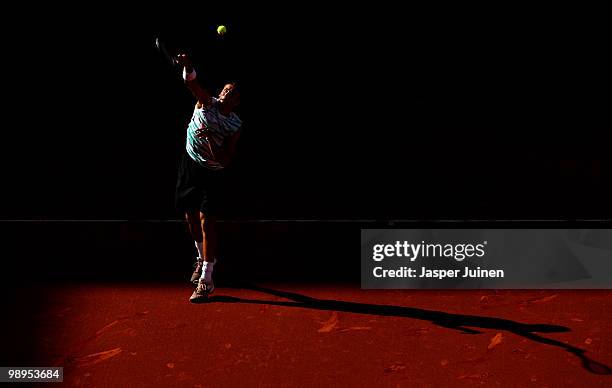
(235, 84)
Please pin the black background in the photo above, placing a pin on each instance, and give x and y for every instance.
(349, 113)
(357, 112)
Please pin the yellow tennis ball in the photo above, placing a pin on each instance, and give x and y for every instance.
(221, 30)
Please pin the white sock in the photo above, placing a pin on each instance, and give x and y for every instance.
(207, 270)
(199, 247)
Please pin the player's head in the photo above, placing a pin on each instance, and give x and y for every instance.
(230, 95)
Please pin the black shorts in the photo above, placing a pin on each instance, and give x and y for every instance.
(199, 188)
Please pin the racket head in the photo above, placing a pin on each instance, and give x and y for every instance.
(161, 47)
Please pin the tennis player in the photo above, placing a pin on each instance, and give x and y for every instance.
(212, 134)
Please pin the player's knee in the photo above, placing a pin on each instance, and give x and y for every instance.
(192, 218)
(206, 221)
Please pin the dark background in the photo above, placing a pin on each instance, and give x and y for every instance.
(361, 112)
(349, 113)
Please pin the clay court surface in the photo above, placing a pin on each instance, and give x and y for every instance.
(148, 334)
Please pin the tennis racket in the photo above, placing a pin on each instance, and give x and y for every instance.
(161, 47)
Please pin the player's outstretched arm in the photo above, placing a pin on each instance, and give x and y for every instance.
(189, 75)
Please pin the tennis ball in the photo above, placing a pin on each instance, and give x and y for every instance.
(221, 30)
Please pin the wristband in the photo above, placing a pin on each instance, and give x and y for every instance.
(189, 76)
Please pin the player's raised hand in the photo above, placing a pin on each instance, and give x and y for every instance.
(183, 60)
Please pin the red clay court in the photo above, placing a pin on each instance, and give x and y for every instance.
(275, 321)
(322, 335)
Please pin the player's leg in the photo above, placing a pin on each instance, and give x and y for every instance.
(205, 285)
(189, 196)
(195, 228)
(209, 233)
(208, 227)
(209, 210)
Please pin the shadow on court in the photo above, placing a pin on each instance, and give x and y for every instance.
(460, 322)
